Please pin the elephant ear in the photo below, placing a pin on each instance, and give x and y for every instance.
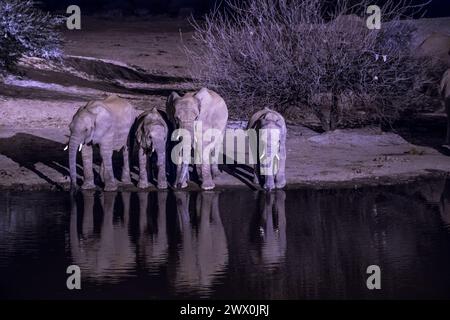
(140, 134)
(170, 105)
(102, 117)
(204, 98)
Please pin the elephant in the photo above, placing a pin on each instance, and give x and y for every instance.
(151, 136)
(106, 123)
(270, 128)
(445, 94)
(205, 109)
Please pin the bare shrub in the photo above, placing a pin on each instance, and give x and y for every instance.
(26, 30)
(317, 59)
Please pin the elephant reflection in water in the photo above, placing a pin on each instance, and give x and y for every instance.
(204, 252)
(153, 242)
(107, 255)
(271, 228)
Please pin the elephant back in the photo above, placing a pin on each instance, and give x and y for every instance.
(124, 115)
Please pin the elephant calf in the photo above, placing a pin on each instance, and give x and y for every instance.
(445, 93)
(106, 123)
(271, 131)
(151, 136)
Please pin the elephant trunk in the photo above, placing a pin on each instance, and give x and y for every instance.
(74, 143)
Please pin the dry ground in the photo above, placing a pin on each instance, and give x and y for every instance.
(143, 60)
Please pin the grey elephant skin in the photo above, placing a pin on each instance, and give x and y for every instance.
(152, 131)
(205, 107)
(445, 94)
(271, 158)
(105, 123)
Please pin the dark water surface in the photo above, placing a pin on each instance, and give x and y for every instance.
(302, 244)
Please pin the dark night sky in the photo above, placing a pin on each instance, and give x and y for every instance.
(437, 8)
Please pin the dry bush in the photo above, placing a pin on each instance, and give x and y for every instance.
(288, 54)
(26, 30)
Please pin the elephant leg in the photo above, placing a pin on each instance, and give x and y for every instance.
(102, 172)
(126, 179)
(215, 170)
(207, 182)
(161, 163)
(280, 177)
(143, 175)
(269, 179)
(267, 165)
(110, 182)
(182, 172)
(86, 154)
(255, 174)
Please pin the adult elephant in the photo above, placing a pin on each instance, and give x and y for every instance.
(207, 110)
(106, 123)
(445, 94)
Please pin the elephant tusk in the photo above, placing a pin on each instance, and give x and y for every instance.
(80, 147)
(262, 156)
(377, 56)
(385, 58)
(66, 147)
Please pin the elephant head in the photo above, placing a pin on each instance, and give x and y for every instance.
(152, 130)
(88, 123)
(183, 111)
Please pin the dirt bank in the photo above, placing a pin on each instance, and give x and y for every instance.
(34, 159)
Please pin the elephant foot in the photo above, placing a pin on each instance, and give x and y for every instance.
(126, 183)
(88, 185)
(143, 185)
(110, 187)
(280, 184)
(208, 185)
(126, 180)
(181, 185)
(163, 185)
(268, 186)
